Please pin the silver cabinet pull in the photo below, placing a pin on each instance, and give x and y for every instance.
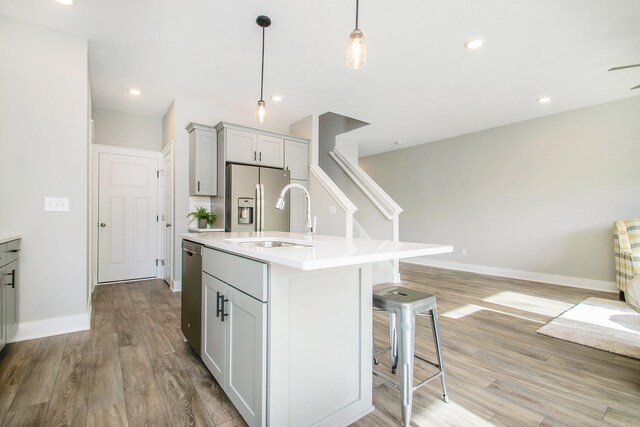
(254, 155)
(15, 250)
(260, 156)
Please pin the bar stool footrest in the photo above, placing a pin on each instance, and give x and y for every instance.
(420, 384)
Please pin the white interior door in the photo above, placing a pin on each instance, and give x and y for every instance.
(127, 217)
(167, 233)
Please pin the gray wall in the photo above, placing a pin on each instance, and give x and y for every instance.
(127, 130)
(44, 146)
(537, 196)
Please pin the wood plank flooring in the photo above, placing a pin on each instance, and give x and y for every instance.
(133, 368)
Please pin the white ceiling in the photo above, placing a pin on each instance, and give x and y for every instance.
(419, 85)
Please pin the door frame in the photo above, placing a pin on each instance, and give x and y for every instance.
(165, 150)
(96, 150)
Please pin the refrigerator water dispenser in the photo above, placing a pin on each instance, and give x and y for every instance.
(245, 210)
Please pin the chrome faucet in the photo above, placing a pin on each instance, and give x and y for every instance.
(310, 226)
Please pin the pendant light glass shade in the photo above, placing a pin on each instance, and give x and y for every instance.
(261, 111)
(357, 50)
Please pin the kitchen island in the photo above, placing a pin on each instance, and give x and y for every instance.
(287, 322)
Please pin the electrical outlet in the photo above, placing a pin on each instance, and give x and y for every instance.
(56, 204)
(332, 210)
(464, 251)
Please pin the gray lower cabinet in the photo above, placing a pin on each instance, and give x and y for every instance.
(9, 275)
(234, 330)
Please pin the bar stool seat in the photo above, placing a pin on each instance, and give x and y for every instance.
(403, 304)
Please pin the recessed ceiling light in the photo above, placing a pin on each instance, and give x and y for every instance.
(398, 142)
(473, 44)
(276, 98)
(135, 92)
(544, 100)
(65, 2)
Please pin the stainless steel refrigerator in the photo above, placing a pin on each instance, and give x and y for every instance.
(251, 196)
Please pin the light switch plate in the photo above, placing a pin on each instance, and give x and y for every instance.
(56, 204)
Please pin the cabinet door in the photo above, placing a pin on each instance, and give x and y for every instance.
(203, 163)
(245, 376)
(270, 151)
(298, 211)
(241, 146)
(213, 342)
(10, 298)
(296, 159)
(3, 326)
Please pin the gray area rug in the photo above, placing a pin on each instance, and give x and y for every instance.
(609, 325)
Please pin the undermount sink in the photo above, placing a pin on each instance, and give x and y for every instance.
(265, 243)
(274, 244)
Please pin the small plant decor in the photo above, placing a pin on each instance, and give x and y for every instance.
(203, 216)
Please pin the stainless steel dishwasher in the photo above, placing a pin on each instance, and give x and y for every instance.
(191, 309)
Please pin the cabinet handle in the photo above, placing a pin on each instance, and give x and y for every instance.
(15, 250)
(222, 313)
(218, 304)
(260, 156)
(198, 185)
(13, 279)
(254, 156)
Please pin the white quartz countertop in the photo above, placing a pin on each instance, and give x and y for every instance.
(318, 253)
(4, 238)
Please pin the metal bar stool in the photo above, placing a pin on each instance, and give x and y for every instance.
(403, 305)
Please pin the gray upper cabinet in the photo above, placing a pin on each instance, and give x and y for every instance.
(203, 156)
(296, 159)
(240, 144)
(254, 148)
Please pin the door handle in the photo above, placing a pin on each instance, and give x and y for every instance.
(168, 224)
(102, 224)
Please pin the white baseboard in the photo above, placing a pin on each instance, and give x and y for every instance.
(575, 282)
(50, 327)
(176, 285)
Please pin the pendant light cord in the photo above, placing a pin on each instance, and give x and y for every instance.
(357, 9)
(262, 72)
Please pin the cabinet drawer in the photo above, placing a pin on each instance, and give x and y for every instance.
(243, 274)
(3, 254)
(13, 248)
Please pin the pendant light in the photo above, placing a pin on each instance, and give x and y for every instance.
(261, 110)
(357, 49)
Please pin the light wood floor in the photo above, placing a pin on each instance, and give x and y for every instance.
(133, 369)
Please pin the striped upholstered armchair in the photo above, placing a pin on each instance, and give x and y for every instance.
(626, 243)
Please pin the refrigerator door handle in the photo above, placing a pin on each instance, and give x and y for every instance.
(262, 207)
(258, 207)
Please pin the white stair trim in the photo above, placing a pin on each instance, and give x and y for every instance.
(343, 201)
(369, 187)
